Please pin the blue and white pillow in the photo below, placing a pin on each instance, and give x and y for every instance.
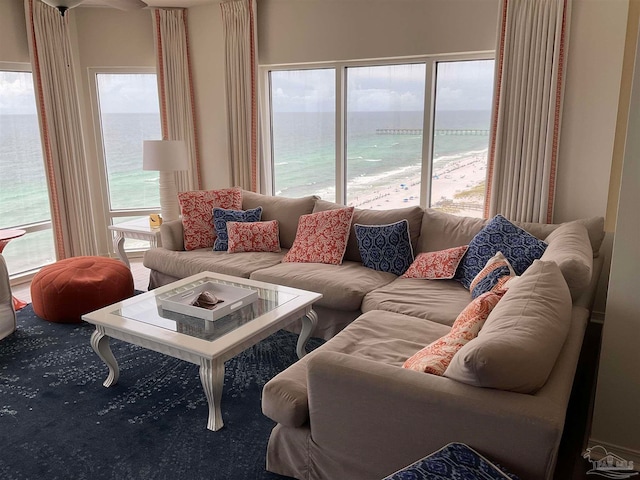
(220, 218)
(499, 235)
(386, 248)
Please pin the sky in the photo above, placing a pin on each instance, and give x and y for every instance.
(460, 85)
(118, 93)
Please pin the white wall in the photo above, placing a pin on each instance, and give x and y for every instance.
(596, 48)
(320, 30)
(207, 59)
(616, 422)
(13, 32)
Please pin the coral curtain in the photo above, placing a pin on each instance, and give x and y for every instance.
(238, 18)
(531, 57)
(175, 89)
(61, 130)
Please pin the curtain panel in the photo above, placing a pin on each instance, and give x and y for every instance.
(238, 19)
(61, 130)
(531, 57)
(175, 89)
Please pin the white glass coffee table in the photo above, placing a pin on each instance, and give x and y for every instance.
(141, 320)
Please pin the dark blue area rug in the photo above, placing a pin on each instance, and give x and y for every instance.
(57, 421)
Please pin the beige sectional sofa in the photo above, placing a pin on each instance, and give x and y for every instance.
(349, 409)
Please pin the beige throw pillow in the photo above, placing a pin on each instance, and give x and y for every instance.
(570, 249)
(521, 339)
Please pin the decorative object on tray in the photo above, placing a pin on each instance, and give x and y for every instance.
(227, 299)
(206, 300)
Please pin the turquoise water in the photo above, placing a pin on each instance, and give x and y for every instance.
(304, 151)
(304, 162)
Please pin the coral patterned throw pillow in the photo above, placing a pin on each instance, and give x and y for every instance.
(321, 237)
(435, 357)
(439, 265)
(197, 220)
(253, 237)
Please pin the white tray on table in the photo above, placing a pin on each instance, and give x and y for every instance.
(232, 298)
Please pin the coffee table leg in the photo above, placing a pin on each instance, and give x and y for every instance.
(212, 378)
(309, 322)
(100, 344)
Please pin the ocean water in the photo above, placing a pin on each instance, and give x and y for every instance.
(304, 151)
(304, 162)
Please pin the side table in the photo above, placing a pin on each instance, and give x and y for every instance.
(138, 229)
(5, 237)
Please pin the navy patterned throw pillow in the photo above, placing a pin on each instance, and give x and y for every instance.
(220, 218)
(386, 248)
(499, 235)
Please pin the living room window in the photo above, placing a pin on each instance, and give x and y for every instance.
(24, 195)
(382, 134)
(128, 112)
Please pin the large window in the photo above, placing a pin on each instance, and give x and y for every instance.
(24, 197)
(128, 114)
(383, 135)
(303, 108)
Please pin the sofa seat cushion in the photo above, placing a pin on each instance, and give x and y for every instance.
(440, 301)
(385, 337)
(184, 264)
(343, 286)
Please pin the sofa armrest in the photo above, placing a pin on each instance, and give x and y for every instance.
(171, 234)
(377, 417)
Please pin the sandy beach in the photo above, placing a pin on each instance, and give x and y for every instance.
(455, 177)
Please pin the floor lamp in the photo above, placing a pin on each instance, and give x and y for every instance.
(167, 157)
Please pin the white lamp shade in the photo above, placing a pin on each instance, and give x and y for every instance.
(164, 155)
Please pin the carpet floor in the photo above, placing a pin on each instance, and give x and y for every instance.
(57, 421)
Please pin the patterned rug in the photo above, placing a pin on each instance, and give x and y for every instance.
(57, 421)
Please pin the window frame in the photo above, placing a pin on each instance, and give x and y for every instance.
(340, 68)
(35, 226)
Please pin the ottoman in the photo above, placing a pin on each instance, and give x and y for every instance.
(64, 291)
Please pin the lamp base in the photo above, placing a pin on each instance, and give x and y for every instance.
(169, 206)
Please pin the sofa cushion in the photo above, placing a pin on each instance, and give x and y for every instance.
(386, 248)
(184, 264)
(518, 246)
(440, 301)
(286, 210)
(594, 226)
(493, 276)
(443, 230)
(321, 237)
(343, 286)
(440, 265)
(376, 217)
(570, 248)
(381, 336)
(519, 343)
(220, 218)
(253, 237)
(197, 217)
(435, 357)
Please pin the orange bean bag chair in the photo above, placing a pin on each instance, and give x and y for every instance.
(64, 291)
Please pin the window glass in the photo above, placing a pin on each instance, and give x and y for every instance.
(129, 114)
(24, 197)
(463, 100)
(385, 112)
(383, 154)
(303, 132)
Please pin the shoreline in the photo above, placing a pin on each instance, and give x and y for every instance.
(470, 172)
